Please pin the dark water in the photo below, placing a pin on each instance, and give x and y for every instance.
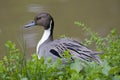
(101, 16)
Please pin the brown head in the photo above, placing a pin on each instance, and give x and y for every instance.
(42, 19)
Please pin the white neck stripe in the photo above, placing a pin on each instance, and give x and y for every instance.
(45, 36)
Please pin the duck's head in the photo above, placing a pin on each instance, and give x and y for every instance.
(42, 19)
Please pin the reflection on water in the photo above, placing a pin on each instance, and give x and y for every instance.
(35, 8)
(31, 40)
(100, 15)
(31, 36)
(0, 31)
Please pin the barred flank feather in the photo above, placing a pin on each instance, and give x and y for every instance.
(75, 48)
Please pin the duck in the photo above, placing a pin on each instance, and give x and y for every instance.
(48, 47)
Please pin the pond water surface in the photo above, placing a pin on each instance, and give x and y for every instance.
(100, 15)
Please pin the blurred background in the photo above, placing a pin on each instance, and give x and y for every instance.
(100, 15)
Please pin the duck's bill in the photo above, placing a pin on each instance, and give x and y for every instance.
(30, 24)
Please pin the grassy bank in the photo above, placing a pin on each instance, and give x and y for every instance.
(14, 66)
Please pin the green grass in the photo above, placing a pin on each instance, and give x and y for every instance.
(14, 66)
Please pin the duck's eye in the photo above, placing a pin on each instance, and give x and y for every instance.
(38, 18)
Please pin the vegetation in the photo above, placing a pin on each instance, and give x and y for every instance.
(14, 65)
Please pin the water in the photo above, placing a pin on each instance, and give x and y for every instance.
(100, 16)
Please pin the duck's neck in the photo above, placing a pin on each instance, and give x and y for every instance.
(47, 37)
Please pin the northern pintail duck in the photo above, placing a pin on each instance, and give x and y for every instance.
(48, 47)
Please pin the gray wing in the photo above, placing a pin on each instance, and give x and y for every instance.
(74, 47)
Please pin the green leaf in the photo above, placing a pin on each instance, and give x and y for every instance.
(106, 68)
(117, 77)
(77, 66)
(24, 79)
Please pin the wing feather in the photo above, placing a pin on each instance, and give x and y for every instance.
(77, 49)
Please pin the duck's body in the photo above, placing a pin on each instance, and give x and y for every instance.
(57, 47)
(48, 47)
